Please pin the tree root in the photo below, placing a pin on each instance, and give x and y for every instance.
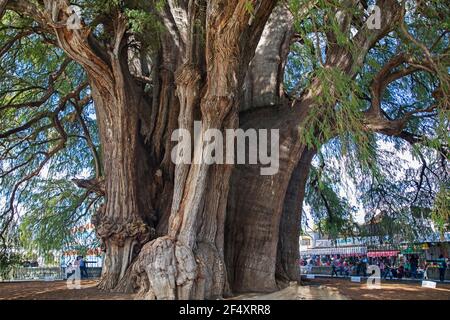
(165, 270)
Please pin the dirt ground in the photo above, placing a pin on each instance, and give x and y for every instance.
(323, 288)
(390, 290)
(56, 290)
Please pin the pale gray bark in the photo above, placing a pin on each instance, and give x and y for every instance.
(263, 84)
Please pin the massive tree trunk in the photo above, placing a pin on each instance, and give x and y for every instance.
(186, 256)
(263, 215)
(195, 230)
(134, 134)
(189, 261)
(256, 202)
(126, 220)
(177, 250)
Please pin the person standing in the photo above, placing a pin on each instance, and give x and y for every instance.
(381, 266)
(346, 269)
(388, 271)
(401, 271)
(425, 273)
(83, 268)
(334, 268)
(310, 266)
(414, 264)
(76, 263)
(358, 266)
(341, 267)
(364, 266)
(76, 268)
(442, 268)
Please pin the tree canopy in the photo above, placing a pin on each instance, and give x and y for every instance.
(49, 133)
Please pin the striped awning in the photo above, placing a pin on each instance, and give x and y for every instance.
(355, 250)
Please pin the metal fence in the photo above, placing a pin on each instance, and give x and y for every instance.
(33, 273)
(45, 274)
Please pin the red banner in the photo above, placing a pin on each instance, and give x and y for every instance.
(382, 253)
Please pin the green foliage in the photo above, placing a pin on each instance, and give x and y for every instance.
(144, 23)
(54, 207)
(441, 209)
(141, 15)
(343, 118)
(331, 213)
(249, 7)
(335, 125)
(8, 260)
(47, 205)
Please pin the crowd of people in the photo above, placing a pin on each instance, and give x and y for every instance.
(409, 266)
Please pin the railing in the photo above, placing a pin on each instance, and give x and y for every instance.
(432, 272)
(45, 274)
(32, 273)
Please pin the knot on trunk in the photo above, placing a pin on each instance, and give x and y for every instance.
(117, 230)
(93, 185)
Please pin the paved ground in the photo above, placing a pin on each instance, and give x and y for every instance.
(319, 288)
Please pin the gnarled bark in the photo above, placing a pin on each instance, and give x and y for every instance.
(127, 219)
(188, 262)
(263, 84)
